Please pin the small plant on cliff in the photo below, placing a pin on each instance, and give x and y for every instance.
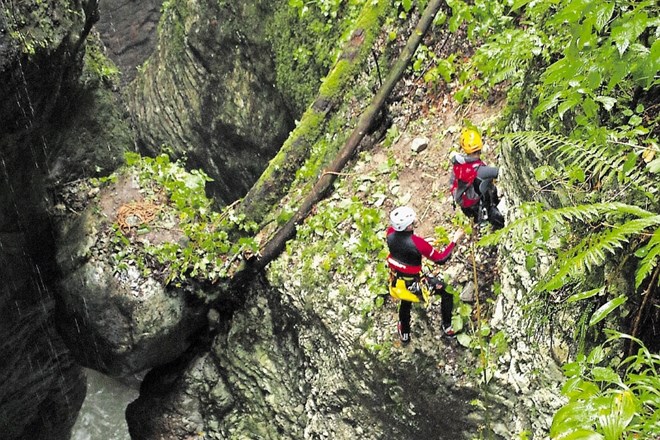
(99, 65)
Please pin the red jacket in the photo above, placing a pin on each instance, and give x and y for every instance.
(407, 250)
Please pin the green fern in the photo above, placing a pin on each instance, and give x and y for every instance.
(594, 250)
(651, 255)
(520, 228)
(507, 55)
(604, 161)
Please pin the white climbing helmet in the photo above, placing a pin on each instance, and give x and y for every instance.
(402, 217)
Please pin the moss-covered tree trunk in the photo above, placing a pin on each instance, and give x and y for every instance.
(275, 181)
(275, 246)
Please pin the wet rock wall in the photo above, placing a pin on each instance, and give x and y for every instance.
(41, 50)
(208, 93)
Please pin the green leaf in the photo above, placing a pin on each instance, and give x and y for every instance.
(517, 4)
(607, 101)
(568, 104)
(615, 411)
(626, 29)
(603, 12)
(530, 262)
(460, 13)
(597, 355)
(618, 70)
(464, 339)
(463, 94)
(654, 166)
(570, 418)
(590, 108)
(606, 309)
(576, 174)
(572, 370)
(544, 172)
(457, 322)
(581, 434)
(650, 254)
(584, 295)
(625, 406)
(547, 103)
(605, 374)
(630, 163)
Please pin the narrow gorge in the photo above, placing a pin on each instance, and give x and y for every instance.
(150, 151)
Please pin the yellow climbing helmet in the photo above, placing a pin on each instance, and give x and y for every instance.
(471, 141)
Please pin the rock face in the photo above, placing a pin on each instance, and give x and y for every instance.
(128, 30)
(114, 319)
(528, 372)
(283, 372)
(41, 388)
(208, 93)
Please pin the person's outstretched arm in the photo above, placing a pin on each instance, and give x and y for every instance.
(438, 257)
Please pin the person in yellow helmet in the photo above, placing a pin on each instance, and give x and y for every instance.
(472, 182)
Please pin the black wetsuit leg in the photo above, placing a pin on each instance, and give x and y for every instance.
(404, 315)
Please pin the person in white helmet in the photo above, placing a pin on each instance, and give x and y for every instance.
(405, 262)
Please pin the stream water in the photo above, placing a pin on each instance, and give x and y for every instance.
(102, 412)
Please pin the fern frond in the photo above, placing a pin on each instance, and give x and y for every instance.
(595, 249)
(650, 260)
(604, 161)
(506, 56)
(582, 213)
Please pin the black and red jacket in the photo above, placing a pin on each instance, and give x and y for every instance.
(407, 250)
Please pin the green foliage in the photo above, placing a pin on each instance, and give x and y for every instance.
(306, 37)
(340, 250)
(345, 257)
(38, 25)
(432, 68)
(100, 65)
(602, 161)
(591, 55)
(624, 222)
(211, 241)
(391, 136)
(613, 226)
(607, 403)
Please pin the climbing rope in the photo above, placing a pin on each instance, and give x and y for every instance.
(482, 347)
(134, 214)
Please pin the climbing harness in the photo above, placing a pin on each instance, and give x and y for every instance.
(414, 288)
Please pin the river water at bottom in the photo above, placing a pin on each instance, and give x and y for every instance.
(101, 416)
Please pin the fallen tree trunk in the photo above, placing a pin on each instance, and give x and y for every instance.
(275, 245)
(276, 180)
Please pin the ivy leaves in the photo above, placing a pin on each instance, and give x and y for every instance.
(627, 29)
(591, 54)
